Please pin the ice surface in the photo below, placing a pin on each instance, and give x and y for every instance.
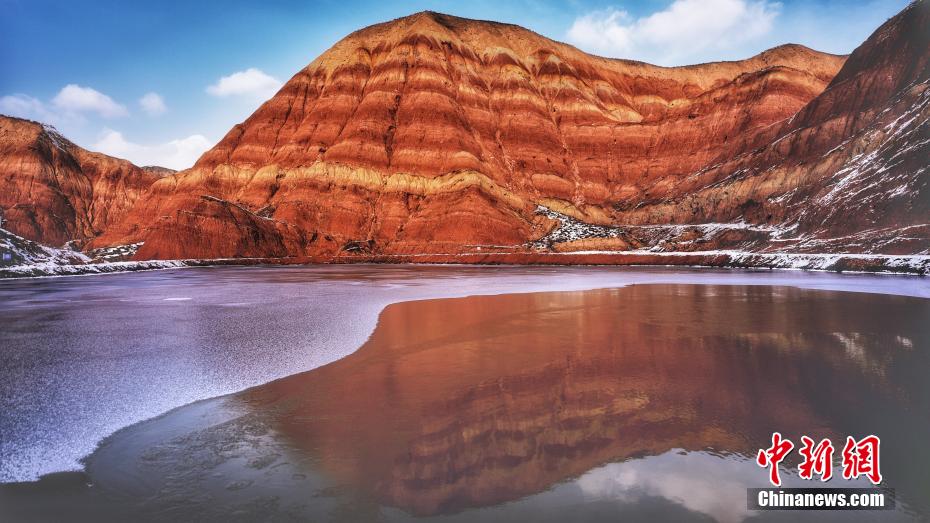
(83, 357)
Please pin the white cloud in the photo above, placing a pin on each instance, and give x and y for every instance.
(77, 99)
(687, 31)
(252, 81)
(25, 106)
(176, 154)
(153, 104)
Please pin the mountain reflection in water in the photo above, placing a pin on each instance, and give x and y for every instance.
(472, 402)
(646, 402)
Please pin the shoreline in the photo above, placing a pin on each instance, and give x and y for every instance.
(915, 265)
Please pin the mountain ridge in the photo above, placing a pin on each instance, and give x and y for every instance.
(433, 132)
(846, 130)
(433, 135)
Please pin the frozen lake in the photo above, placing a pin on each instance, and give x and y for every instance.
(81, 357)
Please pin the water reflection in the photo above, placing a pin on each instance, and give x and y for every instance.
(665, 391)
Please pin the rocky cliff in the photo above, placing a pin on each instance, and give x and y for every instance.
(437, 135)
(847, 173)
(433, 133)
(54, 192)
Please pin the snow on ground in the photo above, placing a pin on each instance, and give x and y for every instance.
(28, 252)
(570, 229)
(917, 263)
(663, 241)
(115, 253)
(53, 269)
(29, 258)
(655, 238)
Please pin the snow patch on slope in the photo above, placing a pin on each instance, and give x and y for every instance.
(59, 141)
(28, 258)
(28, 252)
(655, 238)
(570, 229)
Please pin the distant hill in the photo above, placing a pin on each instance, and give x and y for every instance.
(54, 192)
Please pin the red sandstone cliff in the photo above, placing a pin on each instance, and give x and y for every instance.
(53, 192)
(436, 134)
(433, 133)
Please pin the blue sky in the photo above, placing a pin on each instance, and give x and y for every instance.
(160, 82)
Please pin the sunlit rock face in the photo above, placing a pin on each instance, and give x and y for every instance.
(53, 192)
(433, 133)
(436, 134)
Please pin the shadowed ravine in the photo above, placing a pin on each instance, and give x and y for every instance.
(646, 402)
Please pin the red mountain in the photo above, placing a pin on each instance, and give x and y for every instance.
(433, 133)
(53, 192)
(436, 134)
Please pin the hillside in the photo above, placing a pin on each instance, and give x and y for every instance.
(433, 133)
(54, 192)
